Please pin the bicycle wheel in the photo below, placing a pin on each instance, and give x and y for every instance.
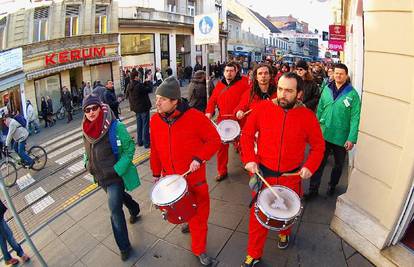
(39, 155)
(60, 114)
(8, 172)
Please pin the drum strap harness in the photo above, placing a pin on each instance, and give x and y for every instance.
(269, 173)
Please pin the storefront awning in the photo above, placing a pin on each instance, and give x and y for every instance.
(11, 81)
(40, 73)
(102, 60)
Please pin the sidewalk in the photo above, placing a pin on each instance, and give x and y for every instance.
(82, 235)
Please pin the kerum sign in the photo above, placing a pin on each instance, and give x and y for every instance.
(66, 56)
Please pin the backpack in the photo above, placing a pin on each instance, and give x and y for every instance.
(21, 119)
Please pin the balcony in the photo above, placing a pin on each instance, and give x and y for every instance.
(150, 17)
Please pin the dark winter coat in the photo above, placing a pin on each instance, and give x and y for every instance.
(111, 101)
(311, 95)
(66, 100)
(49, 106)
(137, 94)
(197, 93)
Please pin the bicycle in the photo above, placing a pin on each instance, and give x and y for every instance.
(60, 114)
(8, 167)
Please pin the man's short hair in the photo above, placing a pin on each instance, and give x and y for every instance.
(341, 66)
(299, 81)
(231, 64)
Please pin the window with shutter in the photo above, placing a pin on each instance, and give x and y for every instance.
(2, 32)
(101, 18)
(72, 20)
(41, 15)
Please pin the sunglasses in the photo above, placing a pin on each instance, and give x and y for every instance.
(89, 109)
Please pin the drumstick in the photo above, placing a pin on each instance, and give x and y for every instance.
(291, 174)
(182, 175)
(269, 186)
(247, 112)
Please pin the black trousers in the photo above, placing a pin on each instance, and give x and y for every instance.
(339, 153)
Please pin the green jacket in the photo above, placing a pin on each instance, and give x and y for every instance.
(339, 119)
(124, 166)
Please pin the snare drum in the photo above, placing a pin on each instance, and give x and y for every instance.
(228, 130)
(171, 196)
(276, 218)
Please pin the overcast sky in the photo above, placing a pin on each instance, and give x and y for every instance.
(316, 12)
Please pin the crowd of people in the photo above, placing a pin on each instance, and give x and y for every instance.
(291, 118)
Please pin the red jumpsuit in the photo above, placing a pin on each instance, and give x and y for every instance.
(226, 99)
(283, 135)
(175, 143)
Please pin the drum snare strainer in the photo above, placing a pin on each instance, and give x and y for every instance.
(275, 218)
(228, 130)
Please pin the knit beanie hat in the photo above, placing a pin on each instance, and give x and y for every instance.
(91, 100)
(169, 88)
(302, 64)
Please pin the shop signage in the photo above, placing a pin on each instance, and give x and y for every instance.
(337, 33)
(336, 45)
(74, 55)
(206, 29)
(11, 60)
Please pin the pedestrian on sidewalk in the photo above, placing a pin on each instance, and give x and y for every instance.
(66, 100)
(32, 124)
(6, 236)
(87, 90)
(197, 91)
(292, 127)
(310, 94)
(99, 90)
(110, 98)
(140, 103)
(50, 117)
(44, 111)
(108, 167)
(338, 114)
(177, 146)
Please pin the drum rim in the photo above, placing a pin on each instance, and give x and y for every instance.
(237, 127)
(175, 200)
(278, 218)
(272, 227)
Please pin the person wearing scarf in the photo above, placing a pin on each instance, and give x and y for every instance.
(101, 162)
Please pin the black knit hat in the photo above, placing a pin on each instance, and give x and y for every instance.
(169, 88)
(91, 100)
(302, 64)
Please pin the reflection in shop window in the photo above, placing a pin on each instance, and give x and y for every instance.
(49, 86)
(133, 44)
(101, 19)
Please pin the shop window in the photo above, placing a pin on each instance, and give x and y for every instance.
(10, 100)
(133, 44)
(48, 86)
(72, 20)
(101, 19)
(40, 29)
(2, 33)
(165, 51)
(101, 72)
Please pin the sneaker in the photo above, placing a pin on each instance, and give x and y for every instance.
(25, 258)
(220, 177)
(12, 262)
(206, 260)
(134, 218)
(250, 261)
(331, 191)
(311, 195)
(185, 229)
(125, 254)
(283, 242)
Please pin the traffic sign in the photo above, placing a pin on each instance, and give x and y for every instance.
(206, 29)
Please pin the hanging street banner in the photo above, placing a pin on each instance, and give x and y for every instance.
(336, 45)
(337, 33)
(293, 34)
(11, 60)
(206, 29)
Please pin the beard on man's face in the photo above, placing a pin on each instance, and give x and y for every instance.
(284, 103)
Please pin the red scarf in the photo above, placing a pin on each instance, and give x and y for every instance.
(93, 128)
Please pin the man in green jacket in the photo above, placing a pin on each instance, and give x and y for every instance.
(338, 114)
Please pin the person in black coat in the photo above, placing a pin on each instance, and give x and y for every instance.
(66, 100)
(311, 91)
(110, 98)
(197, 91)
(140, 103)
(44, 111)
(50, 110)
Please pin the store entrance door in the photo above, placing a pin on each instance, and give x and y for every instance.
(76, 78)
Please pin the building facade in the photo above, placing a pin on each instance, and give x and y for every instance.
(63, 43)
(375, 214)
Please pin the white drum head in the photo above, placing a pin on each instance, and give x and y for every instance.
(228, 130)
(292, 202)
(168, 190)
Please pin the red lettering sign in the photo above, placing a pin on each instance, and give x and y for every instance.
(74, 55)
(336, 45)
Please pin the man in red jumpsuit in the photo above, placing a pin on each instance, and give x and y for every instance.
(226, 96)
(285, 127)
(182, 139)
